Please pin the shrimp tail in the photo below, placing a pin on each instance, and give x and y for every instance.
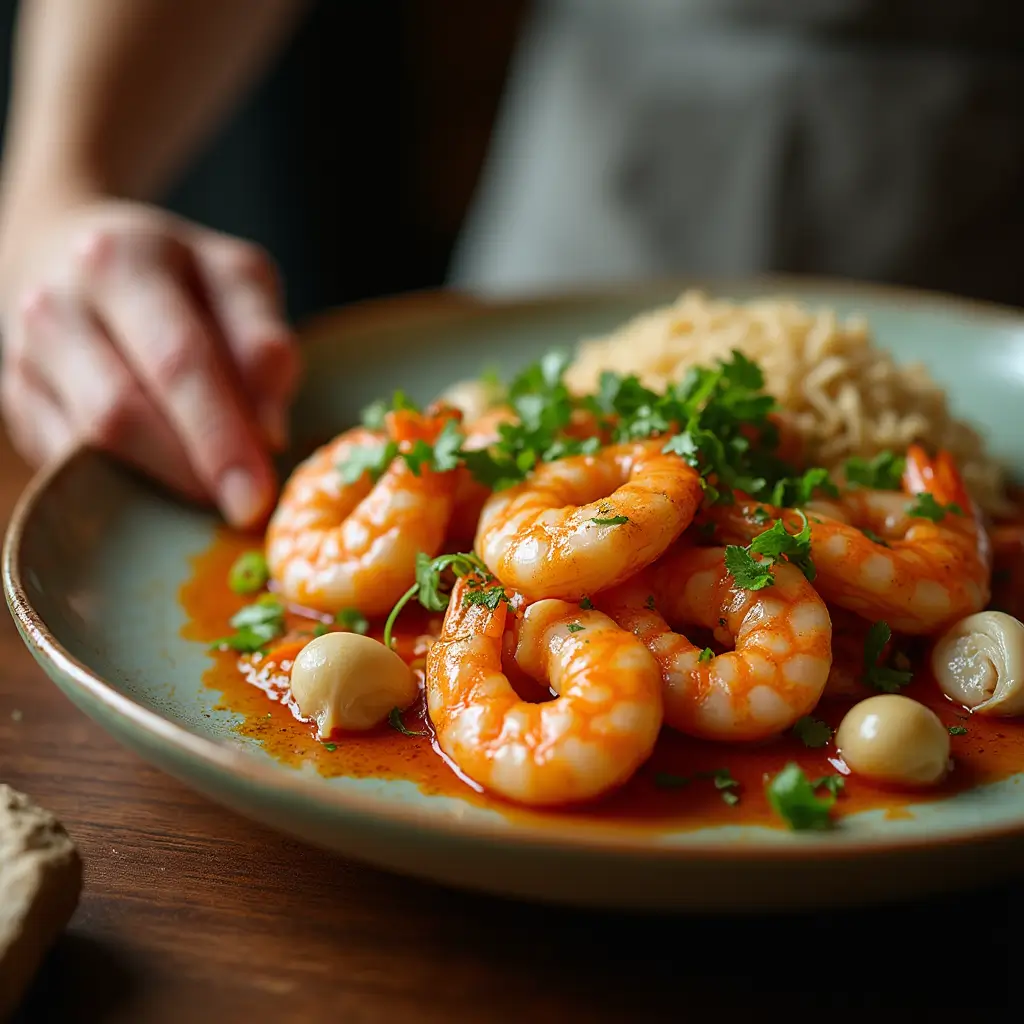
(938, 477)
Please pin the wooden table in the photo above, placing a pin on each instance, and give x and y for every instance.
(193, 914)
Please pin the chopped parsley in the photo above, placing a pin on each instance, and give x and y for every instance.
(760, 515)
(882, 677)
(873, 537)
(374, 416)
(331, 747)
(957, 730)
(255, 626)
(428, 588)
(706, 655)
(586, 604)
(721, 777)
(794, 799)
(882, 472)
(649, 603)
(812, 732)
(610, 520)
(835, 784)
(926, 507)
(776, 544)
(574, 627)
(396, 723)
(794, 492)
(320, 628)
(373, 459)
(353, 620)
(249, 573)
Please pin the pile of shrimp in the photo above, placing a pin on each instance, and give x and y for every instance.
(606, 581)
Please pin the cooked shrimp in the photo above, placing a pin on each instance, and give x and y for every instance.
(920, 575)
(591, 738)
(584, 523)
(781, 637)
(332, 545)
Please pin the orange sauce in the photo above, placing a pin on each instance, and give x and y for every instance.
(990, 750)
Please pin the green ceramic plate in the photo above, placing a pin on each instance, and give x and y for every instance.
(94, 558)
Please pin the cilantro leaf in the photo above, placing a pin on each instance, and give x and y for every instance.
(396, 723)
(957, 730)
(793, 492)
(778, 543)
(746, 571)
(926, 507)
(249, 573)
(368, 458)
(428, 589)
(489, 597)
(586, 604)
(706, 655)
(881, 677)
(255, 625)
(610, 520)
(793, 799)
(575, 627)
(882, 472)
(812, 732)
(835, 784)
(353, 620)
(873, 537)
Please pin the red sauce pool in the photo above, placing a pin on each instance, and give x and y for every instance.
(990, 750)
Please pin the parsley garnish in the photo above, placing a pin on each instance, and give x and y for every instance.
(793, 492)
(760, 515)
(882, 472)
(249, 573)
(319, 629)
(649, 603)
(368, 458)
(706, 655)
(835, 784)
(793, 799)
(610, 521)
(811, 732)
(332, 747)
(873, 537)
(395, 721)
(489, 597)
(427, 588)
(586, 604)
(374, 416)
(774, 545)
(574, 627)
(724, 783)
(926, 507)
(957, 730)
(881, 677)
(255, 625)
(353, 620)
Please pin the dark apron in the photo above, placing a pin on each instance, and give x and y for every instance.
(880, 141)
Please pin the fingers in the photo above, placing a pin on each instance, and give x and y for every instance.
(101, 400)
(243, 291)
(159, 328)
(35, 422)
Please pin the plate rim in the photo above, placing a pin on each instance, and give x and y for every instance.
(560, 834)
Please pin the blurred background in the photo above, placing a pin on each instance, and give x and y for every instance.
(861, 138)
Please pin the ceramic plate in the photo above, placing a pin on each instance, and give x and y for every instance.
(95, 556)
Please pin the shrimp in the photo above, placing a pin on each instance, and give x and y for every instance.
(918, 575)
(782, 637)
(588, 522)
(332, 545)
(591, 738)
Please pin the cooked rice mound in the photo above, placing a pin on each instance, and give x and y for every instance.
(842, 394)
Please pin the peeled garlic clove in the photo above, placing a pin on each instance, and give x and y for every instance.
(351, 682)
(979, 662)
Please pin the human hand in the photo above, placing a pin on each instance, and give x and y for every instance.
(157, 340)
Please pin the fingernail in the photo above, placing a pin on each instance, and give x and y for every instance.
(240, 499)
(275, 425)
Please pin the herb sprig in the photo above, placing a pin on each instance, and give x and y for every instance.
(751, 566)
(880, 676)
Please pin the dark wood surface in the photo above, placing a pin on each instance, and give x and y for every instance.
(191, 913)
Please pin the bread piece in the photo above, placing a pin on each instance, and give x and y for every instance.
(40, 882)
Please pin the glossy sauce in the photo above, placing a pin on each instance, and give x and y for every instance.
(990, 750)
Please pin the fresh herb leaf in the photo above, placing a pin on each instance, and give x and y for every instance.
(794, 492)
(249, 573)
(777, 544)
(373, 415)
(428, 588)
(957, 730)
(881, 677)
(793, 799)
(724, 782)
(586, 604)
(812, 732)
(610, 521)
(873, 537)
(835, 784)
(649, 603)
(760, 515)
(353, 620)
(255, 625)
(320, 629)
(368, 458)
(882, 472)
(331, 747)
(395, 721)
(574, 627)
(746, 571)
(706, 655)
(730, 798)
(489, 597)
(926, 507)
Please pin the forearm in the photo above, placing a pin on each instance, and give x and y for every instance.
(114, 96)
